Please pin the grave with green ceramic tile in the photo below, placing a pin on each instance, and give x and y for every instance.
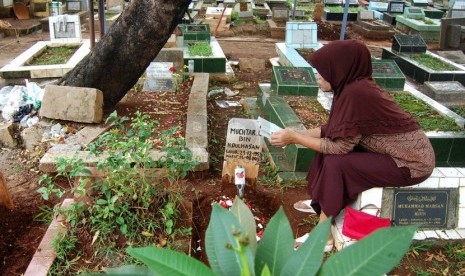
(216, 63)
(426, 67)
(195, 32)
(428, 28)
(387, 74)
(292, 158)
(294, 81)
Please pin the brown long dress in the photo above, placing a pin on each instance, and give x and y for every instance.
(360, 109)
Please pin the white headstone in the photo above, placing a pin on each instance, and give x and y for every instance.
(159, 77)
(65, 28)
(243, 141)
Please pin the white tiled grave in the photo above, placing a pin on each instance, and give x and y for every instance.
(46, 71)
(442, 177)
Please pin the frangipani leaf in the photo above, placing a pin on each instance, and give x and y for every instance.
(135, 270)
(276, 245)
(376, 254)
(169, 262)
(223, 261)
(308, 258)
(245, 217)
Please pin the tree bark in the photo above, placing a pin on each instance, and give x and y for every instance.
(133, 41)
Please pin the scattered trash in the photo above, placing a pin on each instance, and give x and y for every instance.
(226, 104)
(27, 121)
(226, 91)
(233, 62)
(18, 101)
(230, 92)
(214, 92)
(56, 132)
(23, 111)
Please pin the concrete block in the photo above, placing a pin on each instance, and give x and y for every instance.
(79, 104)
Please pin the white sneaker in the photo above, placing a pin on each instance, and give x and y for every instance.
(328, 247)
(304, 206)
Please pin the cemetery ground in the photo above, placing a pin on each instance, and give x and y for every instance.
(22, 229)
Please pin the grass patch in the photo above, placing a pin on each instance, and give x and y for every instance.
(339, 9)
(54, 55)
(431, 62)
(460, 110)
(428, 118)
(200, 49)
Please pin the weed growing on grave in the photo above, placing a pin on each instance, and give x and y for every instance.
(200, 49)
(54, 55)
(431, 62)
(429, 119)
(129, 201)
(460, 110)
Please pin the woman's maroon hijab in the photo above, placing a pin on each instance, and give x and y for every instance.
(359, 105)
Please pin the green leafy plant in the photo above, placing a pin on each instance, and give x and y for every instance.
(129, 200)
(200, 49)
(232, 250)
(431, 62)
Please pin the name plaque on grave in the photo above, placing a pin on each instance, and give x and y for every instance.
(158, 77)
(243, 141)
(426, 208)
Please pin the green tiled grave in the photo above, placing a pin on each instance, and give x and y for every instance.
(387, 74)
(275, 109)
(216, 63)
(287, 80)
(421, 73)
(195, 32)
(449, 149)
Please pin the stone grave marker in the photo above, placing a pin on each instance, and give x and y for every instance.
(302, 35)
(420, 3)
(408, 44)
(428, 208)
(455, 56)
(378, 6)
(448, 93)
(259, 2)
(396, 7)
(366, 15)
(243, 148)
(414, 13)
(74, 6)
(65, 28)
(159, 77)
(280, 14)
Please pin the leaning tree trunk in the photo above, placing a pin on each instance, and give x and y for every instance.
(121, 57)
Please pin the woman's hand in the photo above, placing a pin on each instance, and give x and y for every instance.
(283, 137)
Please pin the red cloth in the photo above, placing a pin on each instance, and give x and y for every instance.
(359, 105)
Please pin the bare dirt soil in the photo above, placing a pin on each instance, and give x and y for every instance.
(22, 229)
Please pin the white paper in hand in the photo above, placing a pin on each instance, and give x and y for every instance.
(267, 128)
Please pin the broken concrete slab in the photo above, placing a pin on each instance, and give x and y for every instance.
(7, 137)
(86, 135)
(78, 104)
